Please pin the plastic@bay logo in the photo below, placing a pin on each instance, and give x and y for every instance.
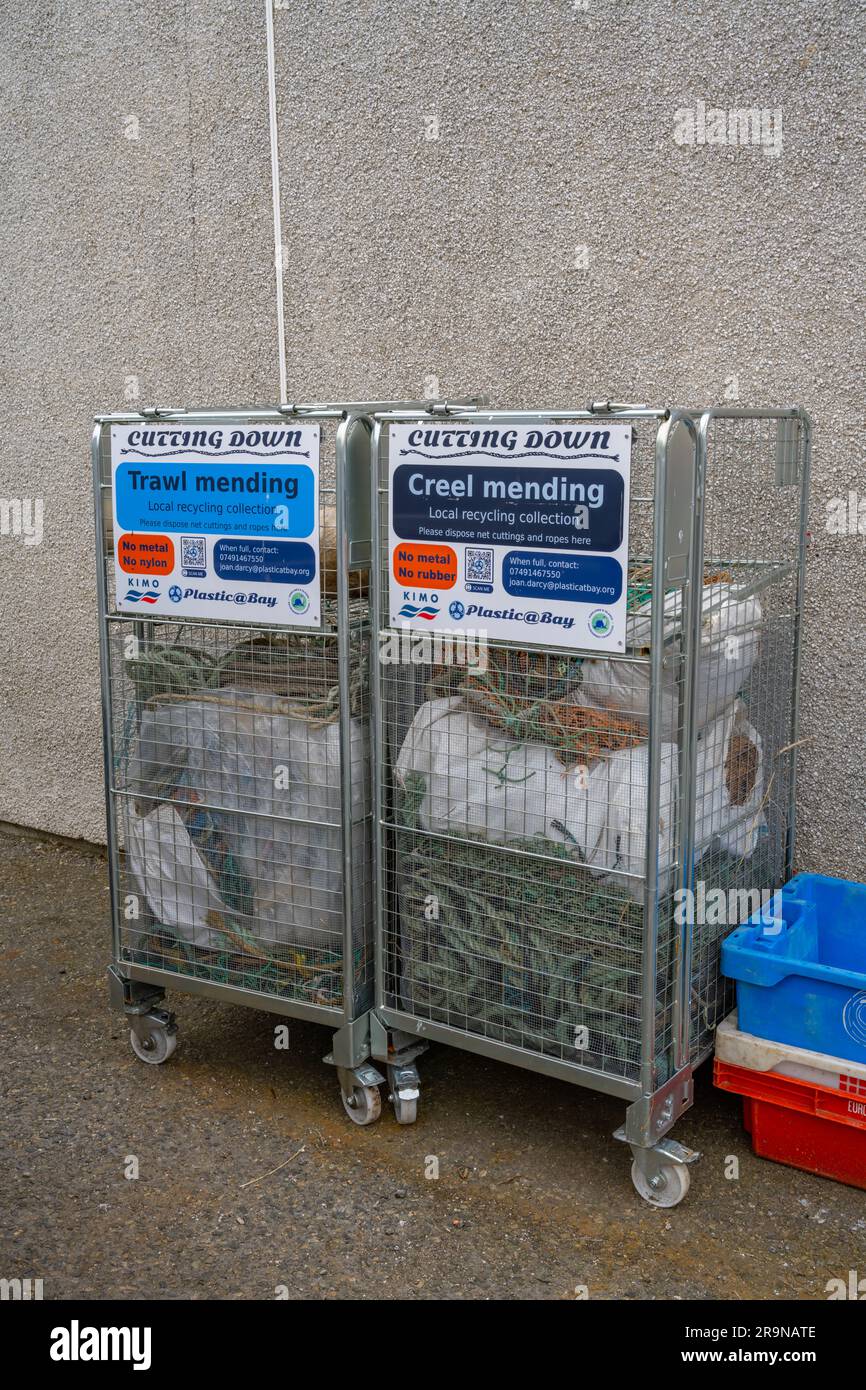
(600, 623)
(457, 610)
(175, 593)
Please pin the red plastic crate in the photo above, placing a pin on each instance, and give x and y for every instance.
(791, 1121)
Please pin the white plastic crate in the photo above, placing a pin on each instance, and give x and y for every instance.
(759, 1054)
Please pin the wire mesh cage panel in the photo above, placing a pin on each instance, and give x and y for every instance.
(238, 771)
(543, 813)
(755, 469)
(228, 786)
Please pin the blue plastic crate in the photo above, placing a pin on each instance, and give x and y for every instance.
(801, 972)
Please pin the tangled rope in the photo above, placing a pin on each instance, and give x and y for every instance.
(640, 583)
(527, 695)
(522, 948)
(300, 667)
(292, 976)
(533, 695)
(527, 949)
(525, 944)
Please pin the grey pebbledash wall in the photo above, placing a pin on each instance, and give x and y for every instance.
(531, 199)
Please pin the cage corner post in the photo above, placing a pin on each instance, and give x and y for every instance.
(804, 442)
(152, 1029)
(350, 1051)
(661, 1165)
(395, 1050)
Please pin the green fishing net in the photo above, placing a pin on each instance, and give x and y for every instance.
(524, 945)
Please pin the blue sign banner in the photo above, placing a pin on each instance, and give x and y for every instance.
(219, 498)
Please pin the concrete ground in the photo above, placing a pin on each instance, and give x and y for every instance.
(251, 1178)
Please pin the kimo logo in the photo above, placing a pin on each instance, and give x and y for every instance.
(77, 1343)
(419, 610)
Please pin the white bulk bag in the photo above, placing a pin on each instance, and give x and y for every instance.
(234, 750)
(730, 637)
(729, 784)
(480, 782)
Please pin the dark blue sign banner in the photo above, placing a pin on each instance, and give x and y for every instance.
(546, 508)
(274, 562)
(578, 579)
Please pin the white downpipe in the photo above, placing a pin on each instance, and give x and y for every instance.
(275, 193)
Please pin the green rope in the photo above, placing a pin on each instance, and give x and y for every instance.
(522, 949)
(300, 666)
(510, 695)
(526, 950)
(314, 978)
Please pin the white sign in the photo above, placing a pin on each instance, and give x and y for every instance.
(519, 531)
(217, 521)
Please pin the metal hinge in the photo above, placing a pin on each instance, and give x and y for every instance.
(607, 407)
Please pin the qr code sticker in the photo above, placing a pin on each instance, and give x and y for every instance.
(192, 552)
(479, 566)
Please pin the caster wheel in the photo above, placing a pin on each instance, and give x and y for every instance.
(364, 1105)
(405, 1111)
(672, 1188)
(155, 1046)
